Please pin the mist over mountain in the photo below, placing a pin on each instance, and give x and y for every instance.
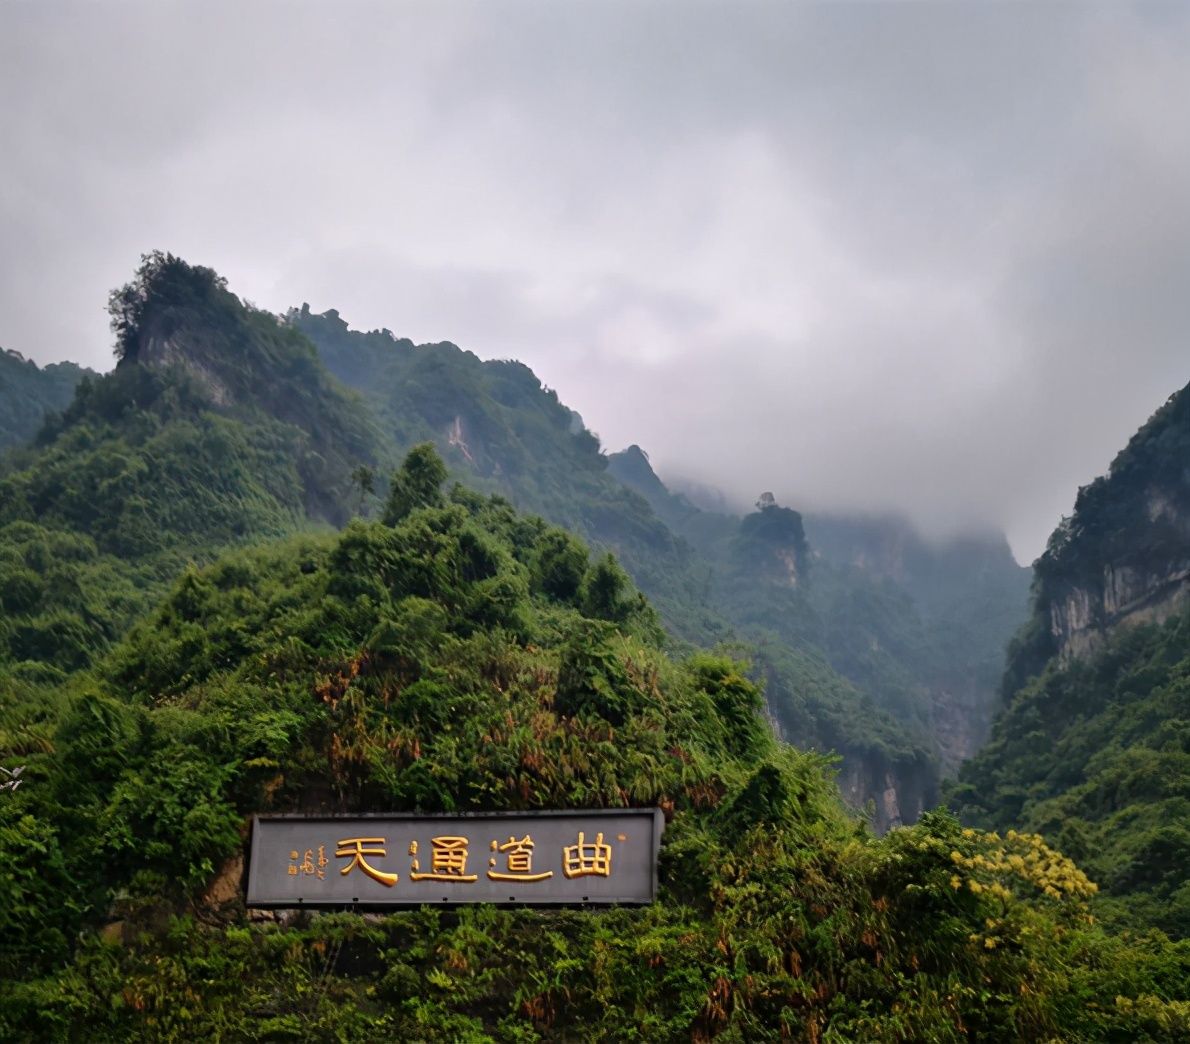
(912, 704)
(273, 564)
(918, 260)
(854, 653)
(766, 421)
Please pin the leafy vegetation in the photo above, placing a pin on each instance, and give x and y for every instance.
(62, 601)
(715, 577)
(191, 631)
(1096, 755)
(1094, 750)
(219, 427)
(449, 662)
(29, 393)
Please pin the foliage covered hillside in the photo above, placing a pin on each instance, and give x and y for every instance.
(940, 614)
(1124, 552)
(218, 427)
(252, 366)
(495, 424)
(1093, 745)
(873, 643)
(29, 393)
(465, 656)
(1096, 755)
(712, 578)
(915, 693)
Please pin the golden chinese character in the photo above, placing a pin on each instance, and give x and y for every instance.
(448, 861)
(520, 861)
(585, 860)
(293, 870)
(354, 847)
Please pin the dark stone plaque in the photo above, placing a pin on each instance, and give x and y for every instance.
(532, 858)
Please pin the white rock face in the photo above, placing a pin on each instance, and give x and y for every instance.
(894, 802)
(1082, 621)
(456, 436)
(889, 805)
(166, 351)
(789, 560)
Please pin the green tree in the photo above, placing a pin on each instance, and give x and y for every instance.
(161, 278)
(416, 483)
(364, 479)
(561, 563)
(604, 590)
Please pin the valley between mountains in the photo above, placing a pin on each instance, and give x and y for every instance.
(912, 789)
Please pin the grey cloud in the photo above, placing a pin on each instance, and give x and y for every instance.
(926, 258)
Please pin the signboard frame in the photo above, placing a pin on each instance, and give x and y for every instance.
(260, 896)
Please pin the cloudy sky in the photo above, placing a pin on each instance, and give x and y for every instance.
(925, 258)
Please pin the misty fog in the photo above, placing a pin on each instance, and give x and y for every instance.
(916, 258)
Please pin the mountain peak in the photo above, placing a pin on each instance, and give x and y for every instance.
(1121, 558)
(631, 466)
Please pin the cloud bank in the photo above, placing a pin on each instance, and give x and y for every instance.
(896, 257)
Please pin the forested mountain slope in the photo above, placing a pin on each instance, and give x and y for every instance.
(28, 393)
(218, 426)
(222, 425)
(712, 577)
(1123, 557)
(904, 611)
(453, 658)
(917, 630)
(495, 425)
(1093, 746)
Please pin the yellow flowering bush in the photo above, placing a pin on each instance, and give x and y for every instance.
(1014, 865)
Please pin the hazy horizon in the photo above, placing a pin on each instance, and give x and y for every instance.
(903, 258)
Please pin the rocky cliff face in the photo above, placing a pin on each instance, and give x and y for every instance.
(961, 718)
(1089, 746)
(161, 349)
(1123, 557)
(771, 544)
(937, 614)
(898, 797)
(1083, 618)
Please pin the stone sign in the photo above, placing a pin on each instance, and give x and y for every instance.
(533, 858)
